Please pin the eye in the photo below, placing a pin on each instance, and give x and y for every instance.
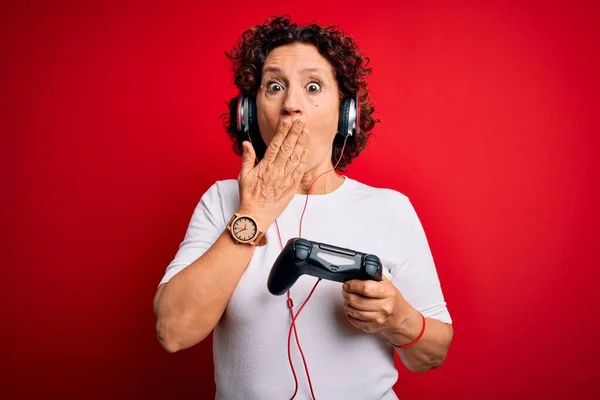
(274, 87)
(314, 87)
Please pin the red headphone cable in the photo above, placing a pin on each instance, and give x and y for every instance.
(289, 300)
(290, 303)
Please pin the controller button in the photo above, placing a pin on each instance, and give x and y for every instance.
(303, 242)
(371, 258)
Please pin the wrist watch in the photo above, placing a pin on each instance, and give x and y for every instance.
(244, 230)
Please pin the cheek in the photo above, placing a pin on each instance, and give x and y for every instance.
(324, 114)
(325, 122)
(268, 118)
(265, 129)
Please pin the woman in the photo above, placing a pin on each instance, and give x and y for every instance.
(302, 129)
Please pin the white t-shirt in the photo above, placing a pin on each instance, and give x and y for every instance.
(250, 341)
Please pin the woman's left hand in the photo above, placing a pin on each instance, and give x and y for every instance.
(374, 306)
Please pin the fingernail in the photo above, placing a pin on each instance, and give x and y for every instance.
(305, 131)
(286, 124)
(300, 123)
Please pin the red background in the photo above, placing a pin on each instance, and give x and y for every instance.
(110, 133)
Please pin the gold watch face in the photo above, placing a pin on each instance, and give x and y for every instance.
(244, 229)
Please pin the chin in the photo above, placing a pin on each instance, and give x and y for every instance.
(316, 164)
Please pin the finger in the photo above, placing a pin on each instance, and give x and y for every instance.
(367, 288)
(364, 316)
(248, 158)
(356, 322)
(363, 324)
(294, 159)
(361, 302)
(301, 168)
(288, 144)
(280, 134)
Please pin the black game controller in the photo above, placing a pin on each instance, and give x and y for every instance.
(301, 256)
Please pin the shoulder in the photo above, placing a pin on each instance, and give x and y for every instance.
(221, 190)
(221, 198)
(389, 199)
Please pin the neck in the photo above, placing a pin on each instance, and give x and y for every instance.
(328, 180)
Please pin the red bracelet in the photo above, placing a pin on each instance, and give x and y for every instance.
(405, 346)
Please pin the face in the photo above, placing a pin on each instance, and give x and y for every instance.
(297, 82)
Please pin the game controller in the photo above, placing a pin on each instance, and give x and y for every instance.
(302, 256)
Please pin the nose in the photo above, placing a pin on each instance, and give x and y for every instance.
(292, 104)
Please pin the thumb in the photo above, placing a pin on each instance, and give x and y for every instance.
(248, 158)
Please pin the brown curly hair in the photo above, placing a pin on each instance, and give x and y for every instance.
(250, 53)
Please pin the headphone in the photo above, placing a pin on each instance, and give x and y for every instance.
(348, 123)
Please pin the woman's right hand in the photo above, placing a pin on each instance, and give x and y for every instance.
(267, 188)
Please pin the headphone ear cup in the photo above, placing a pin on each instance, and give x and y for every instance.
(252, 129)
(343, 124)
(251, 122)
(239, 113)
(357, 118)
(246, 116)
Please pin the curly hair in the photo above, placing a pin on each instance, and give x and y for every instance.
(351, 68)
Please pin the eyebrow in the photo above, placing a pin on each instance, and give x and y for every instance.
(278, 70)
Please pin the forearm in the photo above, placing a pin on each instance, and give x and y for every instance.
(192, 302)
(430, 351)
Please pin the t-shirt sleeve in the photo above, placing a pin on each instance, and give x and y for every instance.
(206, 225)
(417, 278)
